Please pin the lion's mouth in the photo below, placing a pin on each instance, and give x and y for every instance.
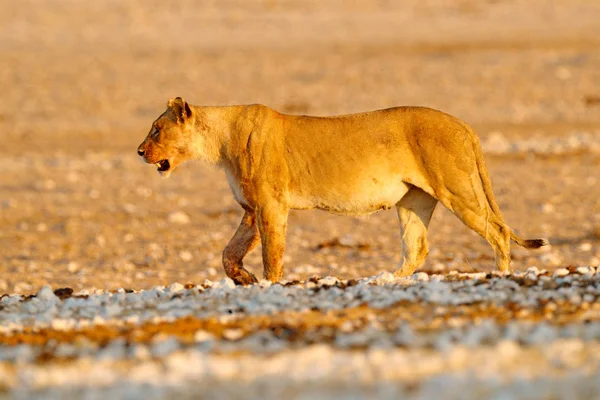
(163, 165)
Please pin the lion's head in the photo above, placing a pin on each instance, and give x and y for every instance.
(168, 142)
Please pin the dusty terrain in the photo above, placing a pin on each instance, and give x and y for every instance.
(81, 83)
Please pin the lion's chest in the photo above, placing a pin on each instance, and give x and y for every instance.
(236, 189)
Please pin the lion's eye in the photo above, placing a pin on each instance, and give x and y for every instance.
(156, 132)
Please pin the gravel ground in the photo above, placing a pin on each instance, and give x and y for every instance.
(81, 84)
(527, 335)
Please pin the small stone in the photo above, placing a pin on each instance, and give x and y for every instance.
(179, 218)
(507, 348)
(590, 298)
(561, 272)
(264, 283)
(584, 270)
(186, 256)
(496, 142)
(384, 277)
(233, 334)
(548, 208)
(310, 285)
(101, 240)
(60, 324)
(438, 267)
(224, 283)
(63, 293)
(328, 281)
(72, 267)
(111, 310)
(46, 294)
(130, 208)
(155, 252)
(348, 241)
(347, 326)
(175, 287)
(420, 276)
(551, 259)
(140, 352)
(202, 336)
(585, 246)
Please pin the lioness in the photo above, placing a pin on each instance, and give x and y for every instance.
(406, 157)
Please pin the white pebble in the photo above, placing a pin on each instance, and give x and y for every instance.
(585, 246)
(72, 267)
(179, 217)
(224, 283)
(175, 287)
(328, 281)
(186, 256)
(111, 310)
(420, 276)
(384, 277)
(130, 208)
(233, 334)
(561, 272)
(264, 283)
(584, 270)
(46, 294)
(550, 258)
(202, 336)
(548, 208)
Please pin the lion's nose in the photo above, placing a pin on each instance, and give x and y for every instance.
(140, 151)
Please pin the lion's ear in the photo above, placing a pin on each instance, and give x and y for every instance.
(180, 108)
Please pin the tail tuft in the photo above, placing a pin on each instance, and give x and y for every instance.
(534, 243)
(529, 243)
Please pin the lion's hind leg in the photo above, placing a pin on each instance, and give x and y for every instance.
(414, 211)
(469, 203)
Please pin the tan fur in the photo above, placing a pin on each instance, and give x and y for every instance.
(406, 157)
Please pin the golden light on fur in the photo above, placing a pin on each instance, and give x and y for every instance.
(409, 158)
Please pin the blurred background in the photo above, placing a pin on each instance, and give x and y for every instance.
(82, 82)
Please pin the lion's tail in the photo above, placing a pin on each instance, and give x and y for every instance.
(528, 243)
(489, 194)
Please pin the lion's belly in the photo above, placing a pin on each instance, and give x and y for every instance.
(361, 199)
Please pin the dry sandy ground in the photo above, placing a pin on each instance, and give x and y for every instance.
(82, 81)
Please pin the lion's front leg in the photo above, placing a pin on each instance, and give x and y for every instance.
(272, 224)
(245, 239)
